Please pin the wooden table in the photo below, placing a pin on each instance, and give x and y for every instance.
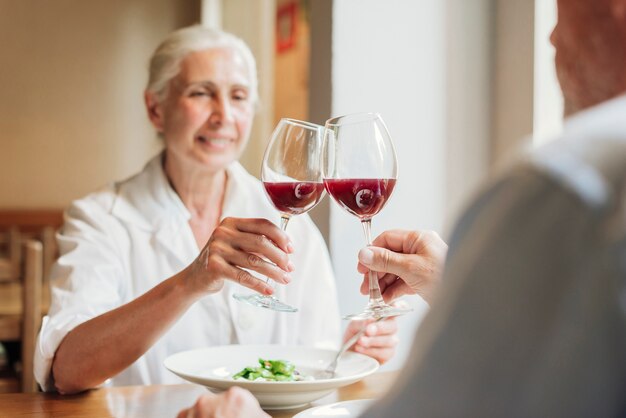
(156, 400)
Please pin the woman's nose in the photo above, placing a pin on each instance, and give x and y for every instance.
(222, 112)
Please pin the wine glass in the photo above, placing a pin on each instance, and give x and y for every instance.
(292, 178)
(360, 171)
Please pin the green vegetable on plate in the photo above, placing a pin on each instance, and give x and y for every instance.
(272, 371)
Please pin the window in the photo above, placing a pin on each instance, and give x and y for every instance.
(548, 101)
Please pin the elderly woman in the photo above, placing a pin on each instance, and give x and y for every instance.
(148, 265)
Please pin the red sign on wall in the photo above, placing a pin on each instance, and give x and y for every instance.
(286, 21)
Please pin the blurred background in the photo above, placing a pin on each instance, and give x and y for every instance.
(462, 85)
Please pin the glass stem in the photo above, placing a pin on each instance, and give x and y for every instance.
(376, 298)
(284, 220)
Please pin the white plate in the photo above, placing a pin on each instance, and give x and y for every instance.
(213, 367)
(345, 409)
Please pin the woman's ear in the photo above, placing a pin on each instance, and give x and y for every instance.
(155, 113)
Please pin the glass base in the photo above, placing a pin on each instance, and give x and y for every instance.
(267, 302)
(379, 311)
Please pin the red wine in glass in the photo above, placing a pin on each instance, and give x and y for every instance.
(363, 198)
(294, 198)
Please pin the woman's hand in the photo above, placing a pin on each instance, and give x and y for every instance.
(234, 403)
(378, 341)
(407, 262)
(238, 244)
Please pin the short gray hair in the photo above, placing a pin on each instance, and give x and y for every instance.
(166, 59)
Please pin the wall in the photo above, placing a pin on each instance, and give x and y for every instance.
(390, 57)
(469, 73)
(253, 21)
(513, 96)
(320, 88)
(548, 103)
(72, 75)
(291, 71)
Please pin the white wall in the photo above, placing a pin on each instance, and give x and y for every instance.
(389, 57)
(469, 58)
(548, 115)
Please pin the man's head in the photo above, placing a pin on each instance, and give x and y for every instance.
(590, 42)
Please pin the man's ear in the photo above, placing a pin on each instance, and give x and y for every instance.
(155, 113)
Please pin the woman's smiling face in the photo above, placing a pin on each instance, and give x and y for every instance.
(207, 113)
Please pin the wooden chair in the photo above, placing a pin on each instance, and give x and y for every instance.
(40, 224)
(21, 321)
(11, 242)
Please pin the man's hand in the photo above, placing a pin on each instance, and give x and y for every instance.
(407, 262)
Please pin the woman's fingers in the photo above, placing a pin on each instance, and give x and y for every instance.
(382, 355)
(373, 328)
(260, 244)
(246, 279)
(379, 340)
(252, 261)
(238, 245)
(389, 326)
(257, 237)
(260, 226)
(242, 277)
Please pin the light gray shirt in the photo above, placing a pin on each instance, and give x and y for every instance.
(531, 318)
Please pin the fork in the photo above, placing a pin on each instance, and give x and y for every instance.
(329, 372)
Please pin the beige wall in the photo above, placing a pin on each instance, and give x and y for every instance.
(72, 74)
(253, 21)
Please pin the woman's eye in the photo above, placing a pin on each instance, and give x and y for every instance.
(198, 93)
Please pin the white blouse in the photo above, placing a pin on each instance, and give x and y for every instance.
(120, 242)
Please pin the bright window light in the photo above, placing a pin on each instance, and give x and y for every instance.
(548, 101)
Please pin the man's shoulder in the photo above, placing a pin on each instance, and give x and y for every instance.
(575, 180)
(522, 192)
(589, 159)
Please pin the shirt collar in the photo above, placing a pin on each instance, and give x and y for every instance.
(148, 200)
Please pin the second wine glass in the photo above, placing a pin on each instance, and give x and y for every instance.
(360, 171)
(292, 178)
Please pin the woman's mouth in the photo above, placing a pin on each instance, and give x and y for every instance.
(218, 143)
